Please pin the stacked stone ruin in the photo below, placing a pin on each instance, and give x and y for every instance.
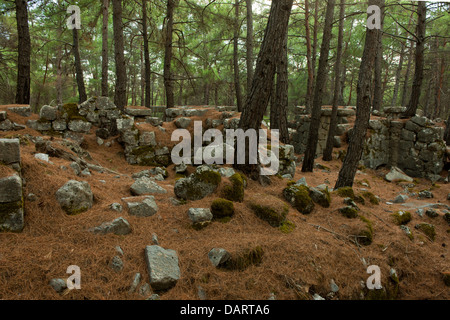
(11, 194)
(414, 145)
(8, 125)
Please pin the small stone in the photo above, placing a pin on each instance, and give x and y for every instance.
(334, 287)
(116, 264)
(42, 156)
(154, 297)
(59, 285)
(200, 217)
(155, 239)
(162, 267)
(181, 168)
(426, 194)
(86, 172)
(201, 293)
(119, 250)
(317, 297)
(135, 282)
(145, 185)
(100, 141)
(31, 197)
(301, 182)
(120, 226)
(401, 198)
(218, 256)
(145, 290)
(431, 213)
(116, 207)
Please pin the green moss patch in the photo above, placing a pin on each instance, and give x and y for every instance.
(427, 229)
(349, 212)
(71, 112)
(222, 209)
(245, 259)
(402, 217)
(235, 191)
(366, 236)
(346, 192)
(287, 227)
(371, 197)
(300, 199)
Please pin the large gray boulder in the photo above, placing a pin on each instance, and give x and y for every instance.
(145, 185)
(200, 217)
(397, 175)
(75, 197)
(11, 204)
(141, 207)
(163, 267)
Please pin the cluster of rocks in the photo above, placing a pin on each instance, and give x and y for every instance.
(415, 146)
(301, 125)
(11, 186)
(8, 125)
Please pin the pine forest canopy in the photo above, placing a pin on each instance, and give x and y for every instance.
(202, 69)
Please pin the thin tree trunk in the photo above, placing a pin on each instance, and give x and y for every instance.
(440, 71)
(249, 42)
(262, 84)
(38, 99)
(407, 74)
(24, 50)
(146, 54)
(419, 58)
(349, 167)
(378, 92)
(279, 105)
(78, 68)
(237, 83)
(168, 82)
(328, 152)
(309, 63)
(120, 96)
(105, 61)
(313, 137)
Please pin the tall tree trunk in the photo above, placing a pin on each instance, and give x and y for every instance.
(407, 74)
(378, 92)
(419, 57)
(363, 104)
(328, 152)
(250, 45)
(78, 68)
(262, 84)
(279, 103)
(309, 62)
(38, 99)
(168, 82)
(120, 95)
(105, 61)
(313, 137)
(440, 71)
(24, 50)
(146, 54)
(237, 83)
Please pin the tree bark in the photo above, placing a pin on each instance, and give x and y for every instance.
(309, 63)
(378, 92)
(168, 83)
(407, 74)
(237, 83)
(120, 95)
(262, 84)
(250, 45)
(105, 58)
(419, 58)
(24, 50)
(78, 68)
(363, 104)
(146, 55)
(313, 137)
(279, 103)
(328, 152)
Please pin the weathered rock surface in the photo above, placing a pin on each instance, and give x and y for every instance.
(75, 197)
(163, 267)
(145, 185)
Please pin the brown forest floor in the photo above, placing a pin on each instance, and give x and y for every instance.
(309, 256)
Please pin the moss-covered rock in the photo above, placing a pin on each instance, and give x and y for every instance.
(222, 209)
(402, 217)
(371, 197)
(346, 192)
(321, 197)
(235, 191)
(349, 212)
(299, 197)
(366, 236)
(287, 226)
(244, 259)
(198, 185)
(71, 112)
(428, 229)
